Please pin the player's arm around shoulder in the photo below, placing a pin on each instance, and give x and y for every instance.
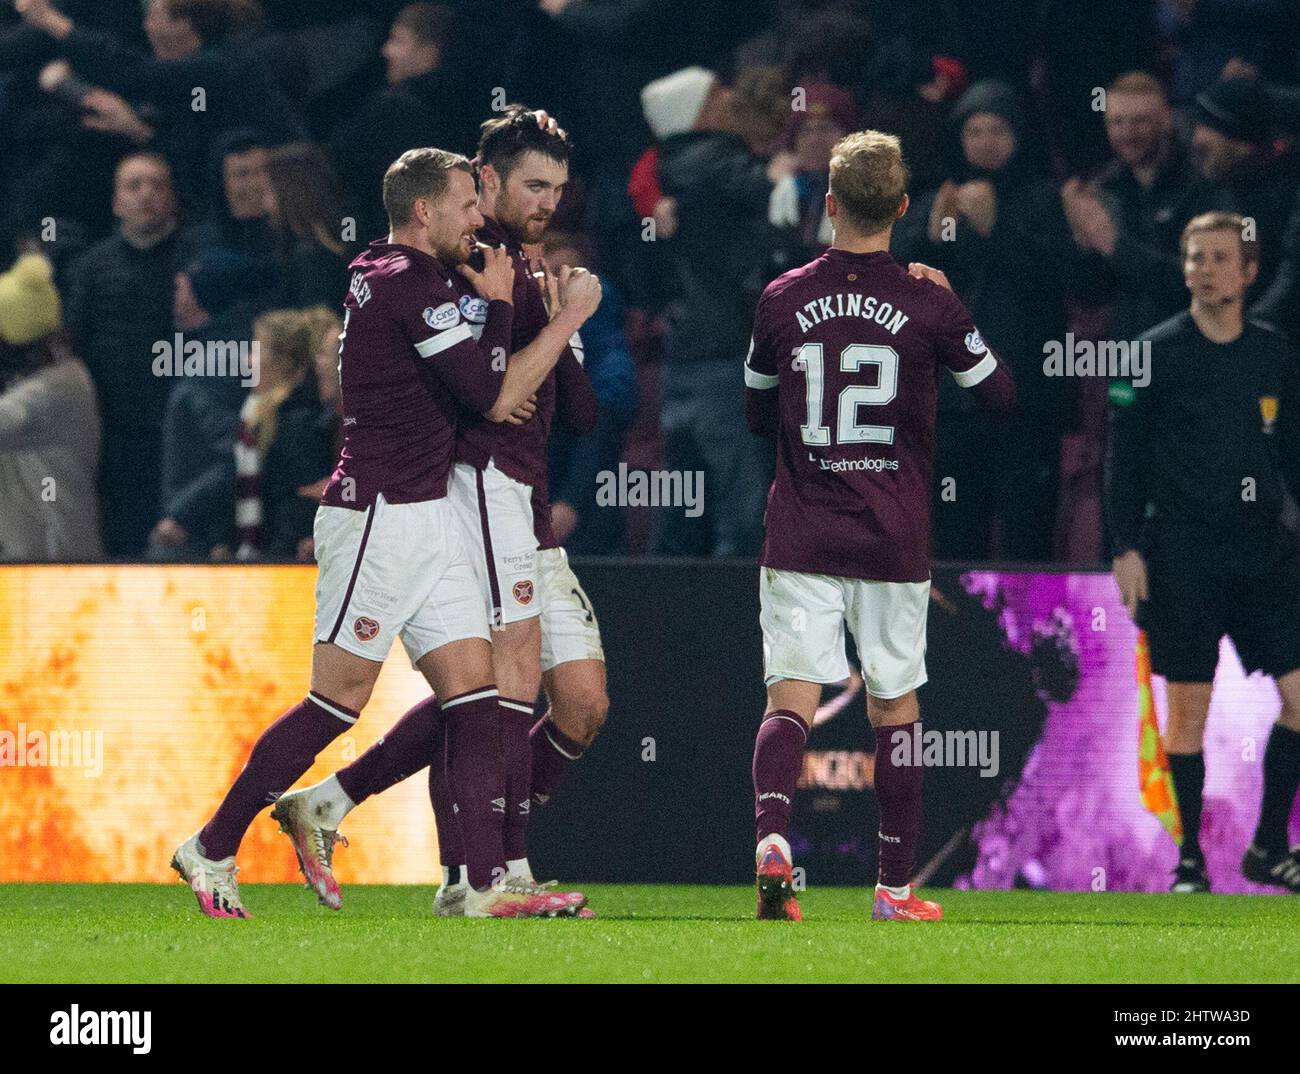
(473, 369)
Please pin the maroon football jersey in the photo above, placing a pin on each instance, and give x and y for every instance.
(853, 346)
(410, 364)
(520, 451)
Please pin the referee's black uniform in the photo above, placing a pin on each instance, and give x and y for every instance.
(1196, 468)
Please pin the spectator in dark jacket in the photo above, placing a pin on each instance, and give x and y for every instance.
(1245, 171)
(1129, 219)
(719, 261)
(197, 84)
(119, 308)
(424, 103)
(202, 413)
(999, 232)
(281, 447)
(239, 218)
(307, 221)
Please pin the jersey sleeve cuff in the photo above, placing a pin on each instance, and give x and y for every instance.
(754, 379)
(968, 378)
(438, 343)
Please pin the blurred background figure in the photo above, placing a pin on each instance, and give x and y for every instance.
(996, 227)
(720, 174)
(281, 446)
(307, 221)
(202, 414)
(580, 524)
(797, 209)
(120, 305)
(49, 427)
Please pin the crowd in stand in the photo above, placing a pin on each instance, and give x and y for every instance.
(183, 183)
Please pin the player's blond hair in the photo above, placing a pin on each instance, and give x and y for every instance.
(1221, 221)
(868, 179)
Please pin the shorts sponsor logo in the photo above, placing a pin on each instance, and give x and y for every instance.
(523, 591)
(377, 598)
(474, 309)
(975, 342)
(444, 316)
(365, 628)
(517, 562)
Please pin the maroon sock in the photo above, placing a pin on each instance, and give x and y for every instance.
(778, 758)
(284, 752)
(553, 751)
(476, 776)
(898, 795)
(451, 849)
(517, 753)
(408, 746)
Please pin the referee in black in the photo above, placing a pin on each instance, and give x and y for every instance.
(1197, 468)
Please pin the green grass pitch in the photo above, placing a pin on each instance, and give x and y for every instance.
(154, 933)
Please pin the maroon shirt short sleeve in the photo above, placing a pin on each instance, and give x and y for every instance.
(406, 362)
(855, 345)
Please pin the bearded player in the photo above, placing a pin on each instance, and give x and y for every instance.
(393, 560)
(545, 632)
(843, 374)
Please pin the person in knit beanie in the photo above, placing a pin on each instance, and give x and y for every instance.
(49, 426)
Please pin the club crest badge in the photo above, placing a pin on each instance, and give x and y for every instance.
(365, 628)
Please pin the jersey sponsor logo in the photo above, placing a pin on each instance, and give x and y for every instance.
(522, 591)
(840, 466)
(474, 309)
(365, 628)
(445, 316)
(975, 342)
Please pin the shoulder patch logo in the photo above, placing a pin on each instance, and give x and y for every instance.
(975, 342)
(444, 316)
(474, 309)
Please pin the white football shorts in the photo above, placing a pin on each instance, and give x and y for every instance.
(803, 617)
(496, 515)
(569, 627)
(395, 569)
